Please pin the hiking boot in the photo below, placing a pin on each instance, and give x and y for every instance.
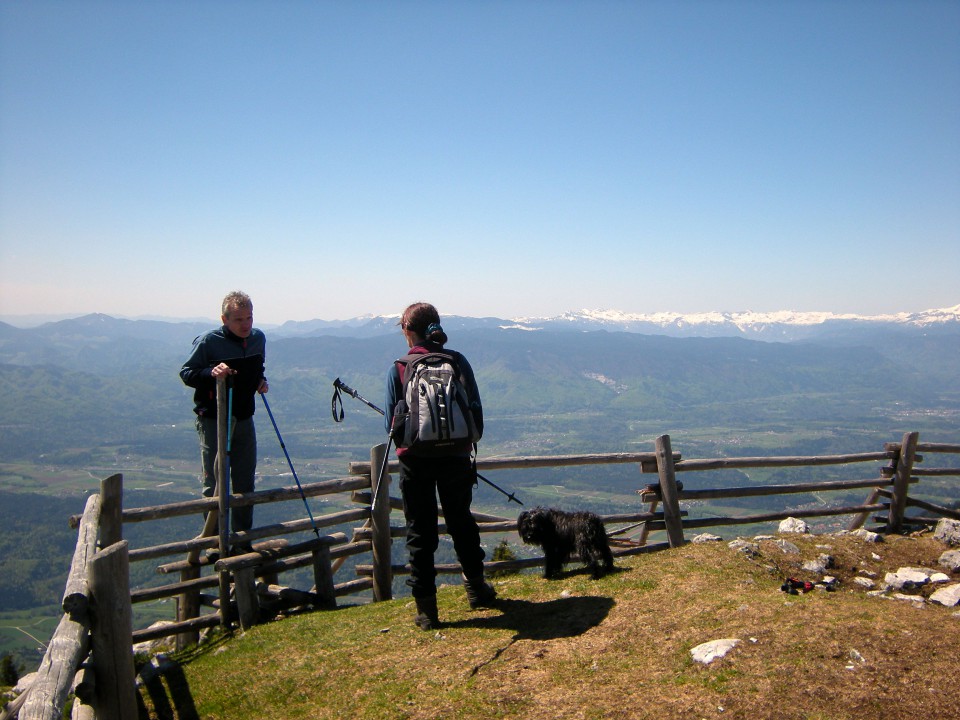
(427, 615)
(480, 593)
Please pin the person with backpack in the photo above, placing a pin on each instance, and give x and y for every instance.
(435, 417)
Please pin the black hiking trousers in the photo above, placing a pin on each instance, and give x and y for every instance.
(422, 481)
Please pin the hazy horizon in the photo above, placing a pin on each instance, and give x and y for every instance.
(30, 320)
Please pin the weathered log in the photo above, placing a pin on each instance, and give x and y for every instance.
(901, 480)
(323, 578)
(380, 525)
(11, 709)
(245, 591)
(85, 684)
(111, 642)
(363, 468)
(778, 461)
(365, 497)
(76, 593)
(256, 535)
(188, 607)
(932, 507)
(164, 591)
(258, 497)
(768, 517)
(256, 558)
(111, 510)
(925, 447)
(224, 486)
(339, 551)
(668, 491)
(66, 650)
(180, 627)
(765, 490)
(351, 587)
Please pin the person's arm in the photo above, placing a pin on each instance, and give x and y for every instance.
(392, 395)
(196, 370)
(470, 380)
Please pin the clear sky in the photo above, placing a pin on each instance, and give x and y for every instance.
(520, 158)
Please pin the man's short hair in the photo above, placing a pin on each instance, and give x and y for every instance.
(235, 299)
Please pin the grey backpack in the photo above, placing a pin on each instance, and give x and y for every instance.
(435, 412)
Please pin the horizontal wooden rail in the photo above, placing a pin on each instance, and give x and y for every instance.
(538, 461)
(763, 490)
(159, 592)
(926, 447)
(258, 497)
(779, 461)
(768, 517)
(254, 559)
(175, 628)
(935, 472)
(932, 507)
(267, 531)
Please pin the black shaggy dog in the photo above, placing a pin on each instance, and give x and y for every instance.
(562, 534)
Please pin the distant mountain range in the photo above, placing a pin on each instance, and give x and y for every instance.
(783, 326)
(780, 326)
(99, 381)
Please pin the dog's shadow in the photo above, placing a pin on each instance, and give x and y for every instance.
(549, 620)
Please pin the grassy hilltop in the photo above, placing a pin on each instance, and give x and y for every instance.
(614, 648)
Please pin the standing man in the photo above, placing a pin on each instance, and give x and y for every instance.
(238, 350)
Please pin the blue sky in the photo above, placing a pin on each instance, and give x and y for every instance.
(522, 158)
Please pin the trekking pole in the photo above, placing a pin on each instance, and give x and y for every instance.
(383, 469)
(336, 400)
(290, 463)
(339, 385)
(510, 496)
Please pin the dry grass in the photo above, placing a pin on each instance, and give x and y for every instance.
(613, 648)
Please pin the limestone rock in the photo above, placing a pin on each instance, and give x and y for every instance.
(706, 538)
(709, 651)
(906, 579)
(823, 562)
(948, 531)
(867, 535)
(744, 546)
(948, 596)
(788, 547)
(793, 525)
(950, 559)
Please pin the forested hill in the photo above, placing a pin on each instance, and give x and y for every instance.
(74, 386)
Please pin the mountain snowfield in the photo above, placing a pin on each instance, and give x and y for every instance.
(747, 319)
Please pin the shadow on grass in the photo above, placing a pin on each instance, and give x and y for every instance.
(167, 688)
(550, 620)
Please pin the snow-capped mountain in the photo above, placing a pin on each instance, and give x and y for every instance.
(783, 326)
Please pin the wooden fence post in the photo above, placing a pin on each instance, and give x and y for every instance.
(111, 640)
(111, 508)
(901, 482)
(323, 577)
(380, 524)
(76, 594)
(223, 495)
(668, 491)
(47, 696)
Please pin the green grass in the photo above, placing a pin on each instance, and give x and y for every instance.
(578, 648)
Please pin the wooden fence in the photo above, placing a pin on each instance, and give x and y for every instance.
(97, 600)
